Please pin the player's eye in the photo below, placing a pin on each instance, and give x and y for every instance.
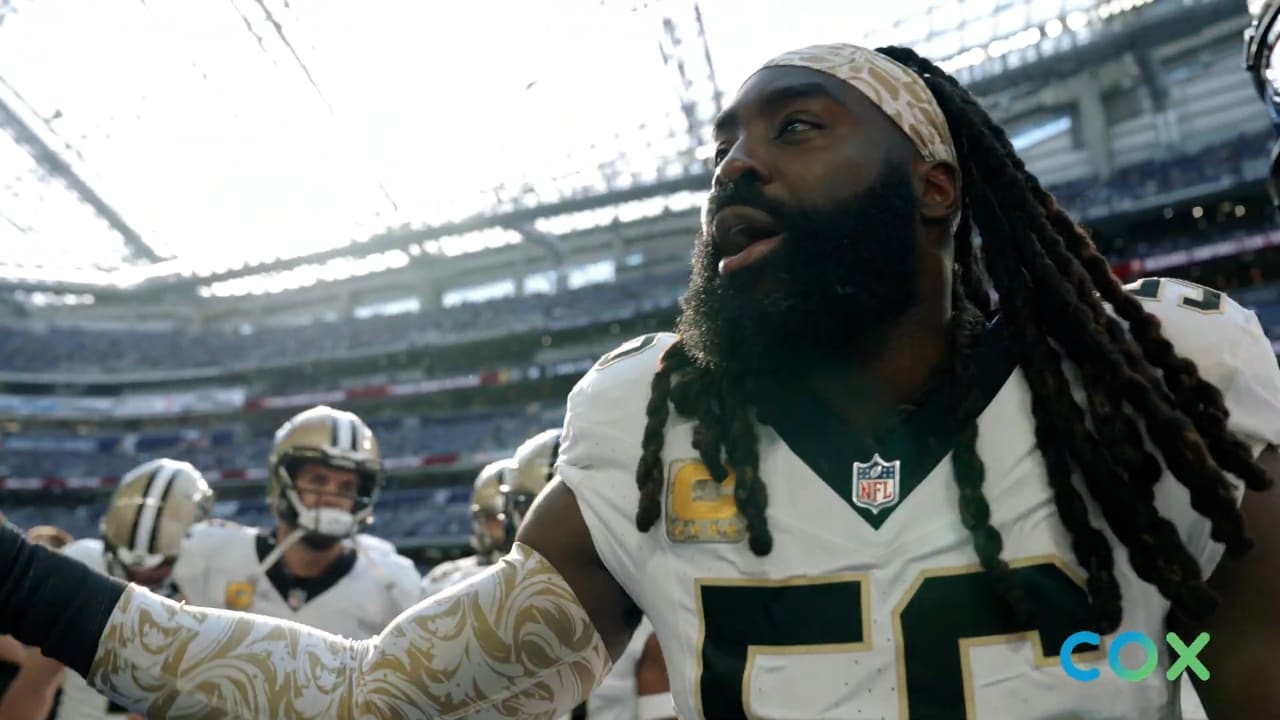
(793, 126)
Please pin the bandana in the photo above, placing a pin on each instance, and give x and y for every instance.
(895, 89)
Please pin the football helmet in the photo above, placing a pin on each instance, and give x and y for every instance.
(535, 461)
(488, 535)
(1263, 63)
(334, 438)
(149, 514)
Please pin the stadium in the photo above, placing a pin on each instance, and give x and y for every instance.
(257, 208)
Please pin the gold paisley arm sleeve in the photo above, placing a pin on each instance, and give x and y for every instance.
(513, 641)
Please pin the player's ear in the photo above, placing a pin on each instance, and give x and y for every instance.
(939, 192)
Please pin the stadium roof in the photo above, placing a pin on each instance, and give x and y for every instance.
(147, 139)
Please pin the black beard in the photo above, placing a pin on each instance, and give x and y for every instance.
(840, 274)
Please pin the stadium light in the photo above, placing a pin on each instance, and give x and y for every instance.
(1074, 21)
(624, 212)
(471, 242)
(305, 275)
(319, 146)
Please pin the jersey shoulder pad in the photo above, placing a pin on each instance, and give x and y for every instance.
(1226, 342)
(400, 568)
(376, 544)
(213, 536)
(90, 551)
(1203, 324)
(440, 571)
(619, 381)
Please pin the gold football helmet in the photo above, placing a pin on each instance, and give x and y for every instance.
(488, 533)
(149, 514)
(535, 463)
(334, 438)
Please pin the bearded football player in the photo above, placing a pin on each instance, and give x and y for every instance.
(882, 470)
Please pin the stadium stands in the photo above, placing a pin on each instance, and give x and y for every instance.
(69, 349)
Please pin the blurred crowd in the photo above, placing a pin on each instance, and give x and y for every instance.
(67, 349)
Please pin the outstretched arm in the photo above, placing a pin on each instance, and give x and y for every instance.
(512, 641)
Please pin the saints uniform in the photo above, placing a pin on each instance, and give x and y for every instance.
(871, 603)
(448, 574)
(77, 700)
(357, 598)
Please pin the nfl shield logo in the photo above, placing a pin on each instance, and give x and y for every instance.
(875, 483)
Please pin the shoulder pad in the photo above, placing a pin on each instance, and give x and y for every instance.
(1204, 325)
(441, 570)
(619, 382)
(90, 551)
(374, 543)
(213, 533)
(644, 346)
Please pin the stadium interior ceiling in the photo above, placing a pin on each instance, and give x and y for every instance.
(457, 324)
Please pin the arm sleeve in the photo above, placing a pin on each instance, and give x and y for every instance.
(513, 641)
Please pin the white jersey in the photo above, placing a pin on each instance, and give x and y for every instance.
(79, 701)
(218, 567)
(615, 698)
(447, 574)
(871, 603)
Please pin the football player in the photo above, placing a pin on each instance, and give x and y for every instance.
(637, 687)
(489, 537)
(141, 534)
(314, 567)
(853, 484)
(13, 652)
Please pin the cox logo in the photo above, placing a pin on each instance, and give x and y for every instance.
(1187, 659)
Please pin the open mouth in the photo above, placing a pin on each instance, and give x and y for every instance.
(737, 227)
(744, 236)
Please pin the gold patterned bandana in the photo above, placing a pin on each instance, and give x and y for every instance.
(898, 91)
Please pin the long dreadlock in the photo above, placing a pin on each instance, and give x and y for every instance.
(1054, 289)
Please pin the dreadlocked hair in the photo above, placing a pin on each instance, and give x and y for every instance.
(1057, 294)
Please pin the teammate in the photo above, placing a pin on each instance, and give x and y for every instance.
(12, 652)
(315, 568)
(141, 533)
(850, 486)
(489, 537)
(637, 687)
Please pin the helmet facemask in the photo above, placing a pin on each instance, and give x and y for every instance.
(488, 530)
(323, 526)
